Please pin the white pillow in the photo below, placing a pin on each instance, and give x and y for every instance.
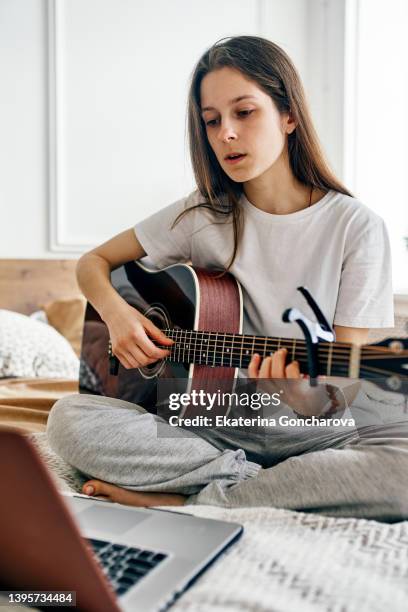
(34, 349)
(39, 315)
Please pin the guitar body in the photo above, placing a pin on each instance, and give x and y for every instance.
(202, 313)
(177, 297)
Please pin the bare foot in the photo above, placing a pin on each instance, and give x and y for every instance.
(131, 498)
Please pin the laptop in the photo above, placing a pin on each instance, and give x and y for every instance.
(113, 557)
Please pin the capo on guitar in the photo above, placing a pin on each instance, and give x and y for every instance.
(312, 331)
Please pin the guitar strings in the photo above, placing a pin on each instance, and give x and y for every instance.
(211, 355)
(230, 338)
(299, 351)
(323, 350)
(235, 363)
(230, 342)
(212, 358)
(385, 372)
(336, 355)
(238, 350)
(237, 345)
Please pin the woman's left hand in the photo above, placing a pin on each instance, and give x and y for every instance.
(273, 366)
(294, 387)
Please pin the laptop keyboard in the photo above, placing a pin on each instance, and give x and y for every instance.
(125, 565)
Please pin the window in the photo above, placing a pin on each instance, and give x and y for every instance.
(376, 118)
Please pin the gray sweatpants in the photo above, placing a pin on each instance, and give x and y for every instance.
(362, 474)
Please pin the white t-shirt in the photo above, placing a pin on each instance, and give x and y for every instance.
(337, 248)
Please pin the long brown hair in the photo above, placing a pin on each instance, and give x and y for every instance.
(269, 66)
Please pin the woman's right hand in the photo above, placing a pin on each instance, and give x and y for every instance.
(134, 337)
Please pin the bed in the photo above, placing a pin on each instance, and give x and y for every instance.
(287, 561)
(36, 287)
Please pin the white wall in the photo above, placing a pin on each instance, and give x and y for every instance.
(93, 99)
(23, 129)
(380, 136)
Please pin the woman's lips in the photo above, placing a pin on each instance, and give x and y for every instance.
(235, 160)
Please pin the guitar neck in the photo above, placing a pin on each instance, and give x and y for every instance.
(236, 350)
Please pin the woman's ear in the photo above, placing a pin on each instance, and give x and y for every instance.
(288, 123)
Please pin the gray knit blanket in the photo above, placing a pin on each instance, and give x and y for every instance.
(291, 561)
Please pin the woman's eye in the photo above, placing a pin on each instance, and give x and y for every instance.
(242, 113)
(245, 113)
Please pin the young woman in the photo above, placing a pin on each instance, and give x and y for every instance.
(268, 209)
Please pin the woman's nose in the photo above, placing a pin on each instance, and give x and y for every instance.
(227, 133)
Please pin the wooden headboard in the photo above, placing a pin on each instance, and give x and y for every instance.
(27, 284)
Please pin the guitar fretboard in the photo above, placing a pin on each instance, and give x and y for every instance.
(236, 350)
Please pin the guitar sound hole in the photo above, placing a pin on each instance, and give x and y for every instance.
(152, 366)
(159, 317)
(158, 322)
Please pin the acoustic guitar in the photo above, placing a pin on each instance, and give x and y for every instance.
(203, 312)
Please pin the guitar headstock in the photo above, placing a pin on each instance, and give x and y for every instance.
(386, 364)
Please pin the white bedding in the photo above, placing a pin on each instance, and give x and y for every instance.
(291, 561)
(31, 348)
